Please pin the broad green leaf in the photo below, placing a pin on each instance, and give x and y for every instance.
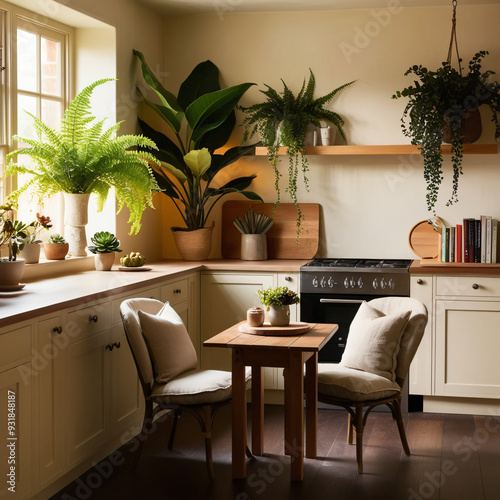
(229, 157)
(166, 97)
(203, 79)
(218, 137)
(173, 119)
(210, 110)
(171, 153)
(198, 161)
(165, 184)
(178, 174)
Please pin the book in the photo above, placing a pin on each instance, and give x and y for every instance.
(488, 239)
(451, 245)
(458, 243)
(494, 240)
(483, 239)
(477, 241)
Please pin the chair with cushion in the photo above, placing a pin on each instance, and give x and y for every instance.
(383, 338)
(166, 362)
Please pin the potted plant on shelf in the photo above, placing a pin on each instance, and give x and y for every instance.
(56, 248)
(253, 229)
(277, 301)
(282, 120)
(104, 247)
(189, 167)
(29, 246)
(11, 268)
(84, 158)
(443, 107)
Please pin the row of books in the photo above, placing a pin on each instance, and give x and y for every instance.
(475, 240)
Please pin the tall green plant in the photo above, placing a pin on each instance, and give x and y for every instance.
(83, 157)
(204, 114)
(282, 120)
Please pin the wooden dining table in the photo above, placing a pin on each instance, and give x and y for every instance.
(290, 352)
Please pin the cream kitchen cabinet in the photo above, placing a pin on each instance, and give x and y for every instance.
(16, 457)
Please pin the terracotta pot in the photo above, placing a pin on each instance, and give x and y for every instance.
(75, 220)
(11, 272)
(31, 253)
(279, 316)
(55, 251)
(193, 245)
(253, 247)
(470, 130)
(104, 261)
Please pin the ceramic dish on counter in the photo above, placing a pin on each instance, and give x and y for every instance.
(141, 268)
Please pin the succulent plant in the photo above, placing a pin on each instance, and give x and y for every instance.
(57, 238)
(104, 242)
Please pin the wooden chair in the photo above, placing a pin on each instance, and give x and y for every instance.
(198, 392)
(368, 384)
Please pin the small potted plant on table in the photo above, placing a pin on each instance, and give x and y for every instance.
(104, 247)
(278, 301)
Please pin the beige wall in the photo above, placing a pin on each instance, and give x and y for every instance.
(368, 203)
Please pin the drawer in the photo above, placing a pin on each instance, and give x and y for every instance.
(87, 321)
(477, 286)
(15, 346)
(175, 292)
(147, 293)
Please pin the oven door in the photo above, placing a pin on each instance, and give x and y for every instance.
(332, 308)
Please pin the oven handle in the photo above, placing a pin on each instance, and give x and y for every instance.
(341, 301)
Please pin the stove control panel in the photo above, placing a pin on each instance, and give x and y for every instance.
(356, 283)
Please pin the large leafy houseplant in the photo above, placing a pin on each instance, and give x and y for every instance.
(205, 114)
(445, 98)
(83, 158)
(282, 120)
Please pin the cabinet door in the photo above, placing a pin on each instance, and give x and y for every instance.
(50, 398)
(87, 395)
(126, 398)
(467, 347)
(291, 280)
(15, 422)
(225, 299)
(420, 375)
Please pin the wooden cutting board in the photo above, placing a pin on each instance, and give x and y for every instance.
(282, 237)
(268, 329)
(424, 240)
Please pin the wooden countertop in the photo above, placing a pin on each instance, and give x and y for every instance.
(456, 268)
(47, 295)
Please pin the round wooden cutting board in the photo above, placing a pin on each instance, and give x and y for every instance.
(268, 329)
(424, 241)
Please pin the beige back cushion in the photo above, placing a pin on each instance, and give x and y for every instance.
(373, 341)
(169, 345)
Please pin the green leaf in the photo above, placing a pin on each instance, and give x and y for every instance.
(229, 157)
(173, 110)
(203, 79)
(178, 174)
(171, 153)
(218, 137)
(198, 161)
(212, 109)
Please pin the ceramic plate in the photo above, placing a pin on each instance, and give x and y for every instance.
(12, 288)
(142, 268)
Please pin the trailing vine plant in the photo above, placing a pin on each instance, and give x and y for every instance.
(282, 120)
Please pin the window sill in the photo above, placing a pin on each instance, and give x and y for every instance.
(51, 268)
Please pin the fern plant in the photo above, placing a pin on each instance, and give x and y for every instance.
(83, 157)
(282, 119)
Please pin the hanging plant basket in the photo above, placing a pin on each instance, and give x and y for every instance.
(469, 131)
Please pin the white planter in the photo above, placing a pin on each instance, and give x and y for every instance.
(253, 247)
(31, 253)
(104, 261)
(11, 272)
(279, 316)
(75, 220)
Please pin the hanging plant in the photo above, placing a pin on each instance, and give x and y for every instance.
(281, 120)
(441, 105)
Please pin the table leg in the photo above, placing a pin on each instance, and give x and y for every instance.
(286, 375)
(239, 420)
(257, 411)
(295, 410)
(312, 406)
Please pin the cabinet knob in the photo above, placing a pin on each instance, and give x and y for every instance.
(110, 347)
(57, 329)
(117, 345)
(420, 281)
(93, 318)
(288, 278)
(177, 290)
(475, 286)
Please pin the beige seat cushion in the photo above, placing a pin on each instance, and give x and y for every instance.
(353, 385)
(169, 345)
(198, 387)
(373, 341)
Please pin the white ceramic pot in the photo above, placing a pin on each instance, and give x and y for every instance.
(279, 316)
(104, 261)
(11, 272)
(75, 220)
(31, 253)
(253, 247)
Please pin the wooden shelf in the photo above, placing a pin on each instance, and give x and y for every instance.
(401, 149)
